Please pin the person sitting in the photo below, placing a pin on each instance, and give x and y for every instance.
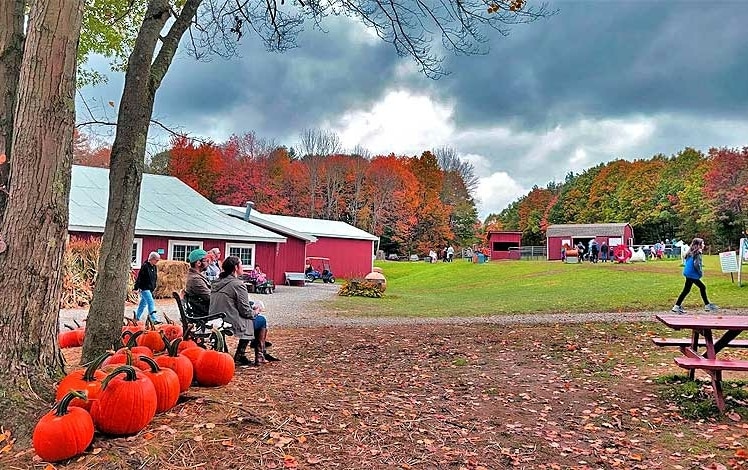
(257, 276)
(197, 288)
(213, 266)
(260, 343)
(228, 294)
(308, 268)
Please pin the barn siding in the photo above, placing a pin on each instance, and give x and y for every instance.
(348, 258)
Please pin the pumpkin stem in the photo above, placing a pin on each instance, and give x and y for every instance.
(169, 321)
(171, 346)
(132, 338)
(154, 367)
(187, 332)
(61, 407)
(92, 366)
(219, 339)
(129, 371)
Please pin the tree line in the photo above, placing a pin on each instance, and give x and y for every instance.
(682, 196)
(413, 203)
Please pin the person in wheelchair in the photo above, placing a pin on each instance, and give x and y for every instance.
(197, 288)
(228, 294)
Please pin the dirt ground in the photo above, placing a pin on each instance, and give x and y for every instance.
(432, 397)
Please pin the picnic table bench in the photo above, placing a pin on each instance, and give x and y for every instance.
(702, 327)
(295, 277)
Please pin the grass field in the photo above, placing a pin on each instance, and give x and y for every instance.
(419, 289)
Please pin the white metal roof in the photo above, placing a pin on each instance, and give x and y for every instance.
(168, 207)
(304, 225)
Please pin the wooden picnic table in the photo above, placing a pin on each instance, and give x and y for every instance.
(703, 326)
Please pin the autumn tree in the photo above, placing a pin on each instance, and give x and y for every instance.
(88, 153)
(35, 219)
(726, 186)
(432, 228)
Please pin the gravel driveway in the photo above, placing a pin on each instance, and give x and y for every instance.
(296, 307)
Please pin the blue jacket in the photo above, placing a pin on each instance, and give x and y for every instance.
(692, 269)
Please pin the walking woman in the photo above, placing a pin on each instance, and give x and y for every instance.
(693, 272)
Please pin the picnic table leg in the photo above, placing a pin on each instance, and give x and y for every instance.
(718, 393)
(695, 347)
(716, 375)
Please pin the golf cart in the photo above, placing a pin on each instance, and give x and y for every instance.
(318, 268)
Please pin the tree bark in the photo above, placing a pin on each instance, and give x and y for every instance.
(142, 79)
(35, 226)
(11, 52)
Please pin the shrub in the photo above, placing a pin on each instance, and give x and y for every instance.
(361, 288)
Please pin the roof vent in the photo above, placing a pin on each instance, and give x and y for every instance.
(248, 211)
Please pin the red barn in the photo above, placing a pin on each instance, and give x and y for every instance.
(350, 249)
(500, 242)
(173, 220)
(614, 234)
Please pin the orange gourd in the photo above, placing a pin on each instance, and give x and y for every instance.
(180, 364)
(87, 380)
(65, 431)
(215, 367)
(126, 403)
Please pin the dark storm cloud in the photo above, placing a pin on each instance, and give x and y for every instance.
(607, 59)
(278, 94)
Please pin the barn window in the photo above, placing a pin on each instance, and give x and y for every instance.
(179, 250)
(504, 246)
(246, 253)
(137, 253)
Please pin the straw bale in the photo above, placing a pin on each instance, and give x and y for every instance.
(172, 276)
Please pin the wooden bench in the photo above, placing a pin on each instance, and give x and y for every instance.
(686, 342)
(295, 277)
(711, 364)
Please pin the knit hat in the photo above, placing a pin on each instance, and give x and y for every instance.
(197, 255)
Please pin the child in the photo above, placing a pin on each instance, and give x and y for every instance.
(693, 272)
(259, 343)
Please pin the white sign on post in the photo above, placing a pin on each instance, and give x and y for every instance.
(743, 256)
(729, 262)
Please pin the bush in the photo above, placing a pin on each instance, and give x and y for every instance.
(361, 288)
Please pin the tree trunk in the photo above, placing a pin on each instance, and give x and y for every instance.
(35, 226)
(11, 52)
(142, 79)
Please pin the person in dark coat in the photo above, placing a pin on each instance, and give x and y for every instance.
(229, 294)
(146, 284)
(197, 288)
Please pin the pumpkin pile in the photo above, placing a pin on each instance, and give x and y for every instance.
(119, 393)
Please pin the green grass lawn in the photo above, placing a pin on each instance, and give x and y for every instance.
(419, 289)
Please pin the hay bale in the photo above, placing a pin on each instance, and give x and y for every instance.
(172, 276)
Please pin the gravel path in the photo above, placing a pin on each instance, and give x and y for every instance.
(300, 307)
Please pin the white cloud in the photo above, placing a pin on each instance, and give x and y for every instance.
(497, 191)
(402, 122)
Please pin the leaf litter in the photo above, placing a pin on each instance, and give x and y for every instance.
(432, 397)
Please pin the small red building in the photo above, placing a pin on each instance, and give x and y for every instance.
(500, 242)
(613, 234)
(350, 249)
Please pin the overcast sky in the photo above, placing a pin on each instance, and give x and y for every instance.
(600, 80)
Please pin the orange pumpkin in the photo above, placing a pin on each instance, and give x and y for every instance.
(171, 329)
(215, 367)
(166, 383)
(87, 380)
(126, 404)
(181, 365)
(63, 432)
(151, 338)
